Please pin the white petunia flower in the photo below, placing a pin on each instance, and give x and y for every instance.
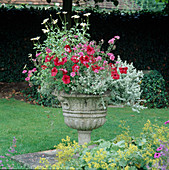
(75, 16)
(45, 20)
(37, 38)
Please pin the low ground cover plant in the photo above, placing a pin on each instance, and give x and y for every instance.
(122, 152)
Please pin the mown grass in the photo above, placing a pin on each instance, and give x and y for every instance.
(38, 128)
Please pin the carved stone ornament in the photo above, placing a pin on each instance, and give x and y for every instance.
(83, 112)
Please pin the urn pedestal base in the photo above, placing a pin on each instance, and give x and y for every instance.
(84, 137)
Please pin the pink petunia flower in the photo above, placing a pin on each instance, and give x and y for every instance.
(117, 37)
(34, 69)
(72, 74)
(111, 41)
(98, 58)
(27, 78)
(24, 71)
(48, 50)
(76, 36)
(38, 54)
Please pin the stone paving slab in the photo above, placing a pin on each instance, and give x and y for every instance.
(31, 160)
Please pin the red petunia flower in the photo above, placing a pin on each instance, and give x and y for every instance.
(95, 68)
(43, 66)
(47, 58)
(90, 50)
(66, 79)
(64, 71)
(67, 48)
(115, 75)
(57, 62)
(123, 70)
(54, 71)
(114, 70)
(75, 59)
(64, 60)
(75, 68)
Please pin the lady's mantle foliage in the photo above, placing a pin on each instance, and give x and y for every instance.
(68, 61)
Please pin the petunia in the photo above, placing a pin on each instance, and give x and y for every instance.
(27, 78)
(111, 41)
(98, 58)
(38, 54)
(75, 59)
(48, 50)
(67, 48)
(123, 70)
(72, 74)
(75, 68)
(43, 67)
(113, 70)
(117, 37)
(95, 68)
(64, 71)
(34, 69)
(47, 58)
(54, 71)
(66, 79)
(90, 50)
(115, 75)
(24, 71)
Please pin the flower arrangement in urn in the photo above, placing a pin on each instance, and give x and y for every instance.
(80, 74)
(69, 62)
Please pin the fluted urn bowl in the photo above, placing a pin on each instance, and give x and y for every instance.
(83, 112)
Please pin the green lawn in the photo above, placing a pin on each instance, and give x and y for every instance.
(39, 128)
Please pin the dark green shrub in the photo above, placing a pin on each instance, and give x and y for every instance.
(154, 90)
(31, 94)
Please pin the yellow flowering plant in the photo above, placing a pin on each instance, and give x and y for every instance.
(123, 152)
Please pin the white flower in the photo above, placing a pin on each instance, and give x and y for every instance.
(45, 31)
(83, 24)
(37, 38)
(57, 4)
(44, 21)
(74, 4)
(64, 12)
(55, 21)
(75, 16)
(58, 13)
(87, 14)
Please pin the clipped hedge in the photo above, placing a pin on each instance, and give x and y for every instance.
(144, 37)
(154, 91)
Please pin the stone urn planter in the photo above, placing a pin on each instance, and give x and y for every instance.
(83, 112)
